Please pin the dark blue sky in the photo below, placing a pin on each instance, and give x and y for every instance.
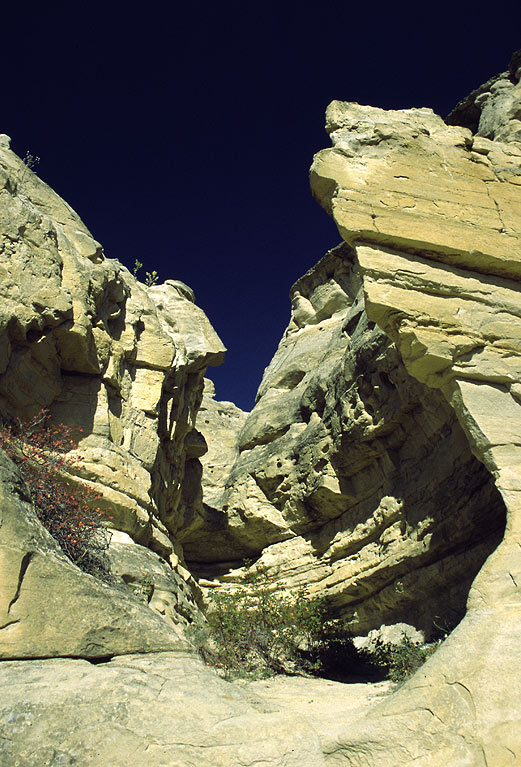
(183, 137)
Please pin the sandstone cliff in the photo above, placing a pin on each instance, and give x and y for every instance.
(433, 214)
(349, 477)
(83, 338)
(382, 456)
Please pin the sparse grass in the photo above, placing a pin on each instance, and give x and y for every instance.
(151, 278)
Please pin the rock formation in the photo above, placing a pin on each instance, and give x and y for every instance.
(383, 450)
(84, 339)
(349, 477)
(81, 337)
(442, 281)
(50, 608)
(380, 466)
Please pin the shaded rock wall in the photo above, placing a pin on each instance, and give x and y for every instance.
(349, 477)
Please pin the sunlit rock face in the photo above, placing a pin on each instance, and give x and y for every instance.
(433, 213)
(79, 335)
(349, 477)
(377, 469)
(383, 455)
(149, 710)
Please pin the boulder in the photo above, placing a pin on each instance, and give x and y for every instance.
(153, 710)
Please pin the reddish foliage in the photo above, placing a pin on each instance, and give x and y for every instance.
(41, 451)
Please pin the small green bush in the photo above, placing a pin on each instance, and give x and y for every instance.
(399, 660)
(41, 450)
(151, 278)
(255, 631)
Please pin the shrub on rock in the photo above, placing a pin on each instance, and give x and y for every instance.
(41, 450)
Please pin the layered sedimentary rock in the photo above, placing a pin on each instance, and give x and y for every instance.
(433, 214)
(377, 468)
(349, 478)
(48, 607)
(382, 456)
(122, 363)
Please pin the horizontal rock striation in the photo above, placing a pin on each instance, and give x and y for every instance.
(349, 477)
(380, 467)
(433, 213)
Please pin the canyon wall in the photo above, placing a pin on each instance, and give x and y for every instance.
(349, 478)
(383, 454)
(433, 213)
(123, 365)
(99, 671)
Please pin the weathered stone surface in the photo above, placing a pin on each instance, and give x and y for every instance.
(48, 607)
(329, 707)
(445, 289)
(349, 478)
(221, 420)
(83, 338)
(460, 709)
(186, 324)
(169, 592)
(375, 469)
(406, 180)
(152, 711)
(493, 109)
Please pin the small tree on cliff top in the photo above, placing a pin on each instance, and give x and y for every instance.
(41, 450)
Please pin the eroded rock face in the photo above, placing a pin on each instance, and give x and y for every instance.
(443, 282)
(492, 110)
(349, 478)
(375, 468)
(122, 362)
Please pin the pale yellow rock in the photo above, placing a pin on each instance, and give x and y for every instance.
(49, 608)
(147, 390)
(397, 178)
(148, 710)
(82, 338)
(187, 324)
(348, 475)
(444, 285)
